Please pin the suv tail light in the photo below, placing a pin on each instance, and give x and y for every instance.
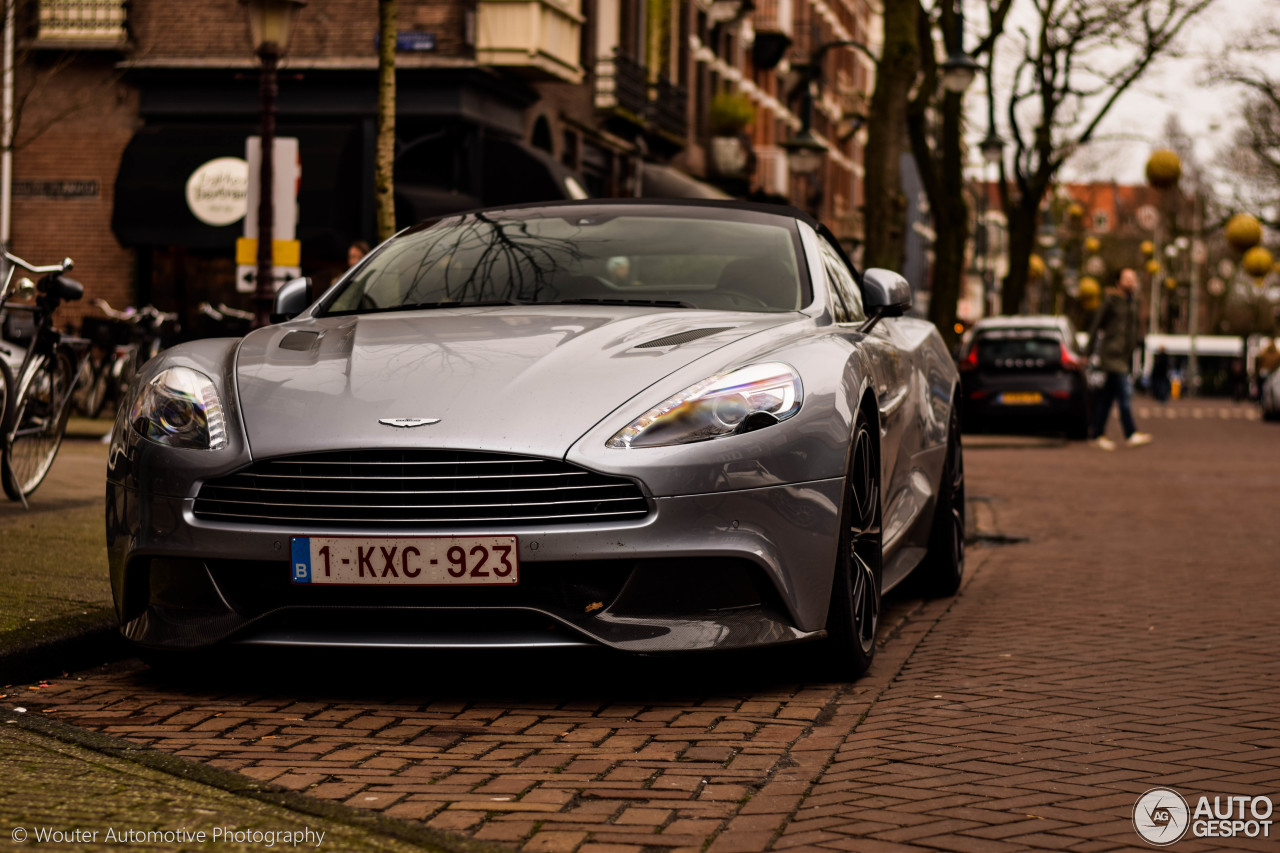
(970, 361)
(1069, 361)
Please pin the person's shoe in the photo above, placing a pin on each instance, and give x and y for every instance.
(1103, 443)
(1138, 439)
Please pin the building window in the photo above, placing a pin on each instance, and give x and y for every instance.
(82, 23)
(1101, 221)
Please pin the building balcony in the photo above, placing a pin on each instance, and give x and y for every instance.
(622, 87)
(670, 109)
(81, 25)
(540, 38)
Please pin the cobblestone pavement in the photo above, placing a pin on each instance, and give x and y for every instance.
(1130, 643)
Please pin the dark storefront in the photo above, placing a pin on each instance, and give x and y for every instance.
(459, 146)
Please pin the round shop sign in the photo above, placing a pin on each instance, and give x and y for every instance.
(218, 191)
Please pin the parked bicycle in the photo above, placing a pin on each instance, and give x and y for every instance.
(39, 393)
(121, 344)
(223, 321)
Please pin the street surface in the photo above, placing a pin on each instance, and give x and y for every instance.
(1130, 642)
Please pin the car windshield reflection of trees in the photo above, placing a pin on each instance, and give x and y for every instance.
(480, 260)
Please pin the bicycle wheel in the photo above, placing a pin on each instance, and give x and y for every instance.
(6, 387)
(34, 425)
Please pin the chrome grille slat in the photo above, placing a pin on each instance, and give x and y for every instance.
(417, 488)
(447, 477)
(563, 519)
(415, 491)
(594, 501)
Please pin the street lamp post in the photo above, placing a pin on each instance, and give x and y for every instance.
(269, 23)
(992, 148)
(1164, 167)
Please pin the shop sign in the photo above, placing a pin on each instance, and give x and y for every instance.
(217, 192)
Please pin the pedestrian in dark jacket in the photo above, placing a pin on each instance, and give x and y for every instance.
(1113, 338)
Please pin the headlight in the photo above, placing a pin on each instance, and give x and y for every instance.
(180, 408)
(725, 404)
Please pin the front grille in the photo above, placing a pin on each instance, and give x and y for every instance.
(417, 488)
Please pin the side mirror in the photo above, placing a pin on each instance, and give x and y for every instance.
(292, 299)
(885, 293)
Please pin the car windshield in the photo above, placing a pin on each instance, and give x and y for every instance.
(665, 256)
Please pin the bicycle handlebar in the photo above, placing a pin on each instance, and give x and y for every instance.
(55, 269)
(135, 315)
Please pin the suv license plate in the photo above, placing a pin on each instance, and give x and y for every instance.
(406, 561)
(1021, 398)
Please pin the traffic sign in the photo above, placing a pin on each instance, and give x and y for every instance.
(247, 277)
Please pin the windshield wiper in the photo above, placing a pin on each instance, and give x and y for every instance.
(655, 303)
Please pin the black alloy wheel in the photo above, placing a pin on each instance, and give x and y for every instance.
(854, 613)
(943, 567)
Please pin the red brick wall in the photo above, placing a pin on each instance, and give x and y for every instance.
(73, 126)
(209, 29)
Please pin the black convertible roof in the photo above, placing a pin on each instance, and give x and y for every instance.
(660, 203)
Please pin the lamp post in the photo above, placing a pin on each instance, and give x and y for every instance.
(269, 23)
(992, 148)
(1164, 167)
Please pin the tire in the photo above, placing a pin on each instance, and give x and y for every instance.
(854, 613)
(35, 416)
(940, 573)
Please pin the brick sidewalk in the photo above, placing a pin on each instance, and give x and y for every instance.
(1131, 643)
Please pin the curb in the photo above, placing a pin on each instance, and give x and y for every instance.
(59, 645)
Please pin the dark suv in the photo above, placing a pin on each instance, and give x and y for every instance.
(1024, 372)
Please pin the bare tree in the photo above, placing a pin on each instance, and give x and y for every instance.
(936, 125)
(1074, 60)
(384, 179)
(1252, 160)
(896, 71)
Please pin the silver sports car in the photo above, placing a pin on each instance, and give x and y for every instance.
(651, 426)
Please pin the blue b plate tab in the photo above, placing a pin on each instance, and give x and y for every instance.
(301, 549)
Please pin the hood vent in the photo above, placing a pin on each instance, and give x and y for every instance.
(298, 341)
(681, 338)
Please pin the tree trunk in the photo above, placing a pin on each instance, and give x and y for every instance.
(384, 180)
(951, 222)
(886, 205)
(1023, 216)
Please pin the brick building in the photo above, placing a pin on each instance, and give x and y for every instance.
(118, 104)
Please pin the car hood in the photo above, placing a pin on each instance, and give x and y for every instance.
(526, 379)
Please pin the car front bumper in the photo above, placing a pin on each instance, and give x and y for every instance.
(726, 570)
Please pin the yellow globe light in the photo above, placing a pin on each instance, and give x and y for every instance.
(1089, 287)
(1153, 266)
(1171, 283)
(1036, 267)
(1163, 169)
(1148, 248)
(1257, 262)
(1075, 210)
(1092, 244)
(1243, 232)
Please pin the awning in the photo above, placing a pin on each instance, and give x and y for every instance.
(659, 181)
(150, 207)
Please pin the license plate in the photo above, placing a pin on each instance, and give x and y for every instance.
(1021, 398)
(406, 561)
